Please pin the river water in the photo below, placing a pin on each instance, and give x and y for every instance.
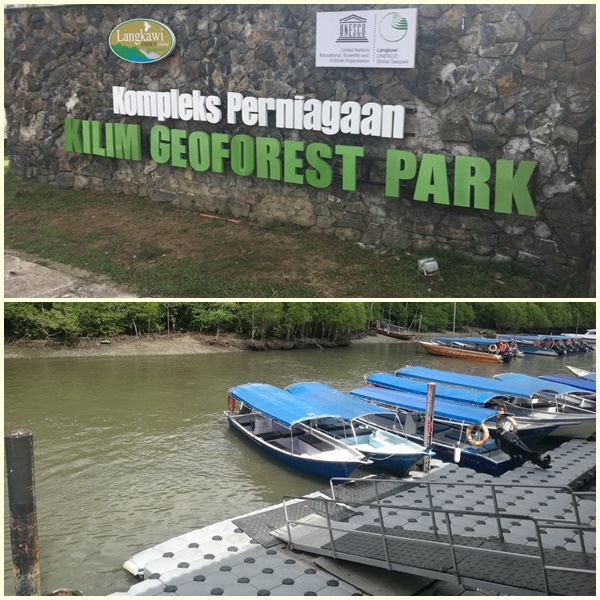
(132, 451)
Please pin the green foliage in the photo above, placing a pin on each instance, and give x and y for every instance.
(332, 321)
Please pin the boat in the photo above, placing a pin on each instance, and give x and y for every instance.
(391, 330)
(589, 337)
(537, 406)
(277, 423)
(530, 431)
(474, 437)
(546, 345)
(389, 451)
(484, 349)
(582, 373)
(576, 382)
(575, 397)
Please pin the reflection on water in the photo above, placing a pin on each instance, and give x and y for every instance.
(131, 451)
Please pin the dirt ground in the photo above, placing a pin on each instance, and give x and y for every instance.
(173, 344)
(24, 277)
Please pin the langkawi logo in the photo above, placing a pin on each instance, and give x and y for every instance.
(393, 27)
(141, 40)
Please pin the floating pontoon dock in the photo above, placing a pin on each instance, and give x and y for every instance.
(527, 532)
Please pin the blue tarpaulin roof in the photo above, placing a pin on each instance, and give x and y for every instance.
(445, 392)
(453, 411)
(583, 384)
(468, 381)
(333, 401)
(285, 407)
(534, 385)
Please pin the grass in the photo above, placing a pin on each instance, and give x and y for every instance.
(161, 251)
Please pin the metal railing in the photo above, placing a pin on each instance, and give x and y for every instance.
(493, 488)
(387, 536)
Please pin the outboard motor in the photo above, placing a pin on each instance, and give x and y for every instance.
(511, 443)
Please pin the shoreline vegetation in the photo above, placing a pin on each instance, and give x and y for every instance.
(173, 344)
(65, 329)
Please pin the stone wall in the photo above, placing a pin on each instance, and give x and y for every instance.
(496, 81)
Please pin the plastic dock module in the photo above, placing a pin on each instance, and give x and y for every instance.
(527, 532)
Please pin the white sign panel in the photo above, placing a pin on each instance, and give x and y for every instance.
(371, 38)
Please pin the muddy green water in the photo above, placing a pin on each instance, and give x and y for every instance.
(132, 451)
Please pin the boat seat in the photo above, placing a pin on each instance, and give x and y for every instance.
(439, 427)
(278, 445)
(314, 441)
(269, 436)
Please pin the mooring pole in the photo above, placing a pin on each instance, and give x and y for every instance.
(18, 446)
(428, 429)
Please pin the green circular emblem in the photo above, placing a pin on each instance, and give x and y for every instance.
(141, 40)
(393, 27)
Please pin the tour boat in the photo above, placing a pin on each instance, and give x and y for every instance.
(481, 439)
(539, 404)
(390, 330)
(483, 349)
(576, 382)
(547, 345)
(589, 337)
(277, 422)
(529, 431)
(582, 373)
(390, 452)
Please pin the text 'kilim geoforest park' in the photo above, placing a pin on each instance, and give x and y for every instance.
(469, 128)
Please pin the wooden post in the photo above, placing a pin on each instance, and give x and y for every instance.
(23, 516)
(428, 429)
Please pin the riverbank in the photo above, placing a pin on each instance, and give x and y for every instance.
(172, 344)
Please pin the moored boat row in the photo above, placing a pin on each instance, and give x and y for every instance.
(480, 422)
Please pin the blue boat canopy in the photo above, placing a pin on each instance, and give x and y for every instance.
(333, 401)
(287, 408)
(582, 384)
(533, 385)
(277, 404)
(451, 411)
(469, 340)
(474, 382)
(404, 384)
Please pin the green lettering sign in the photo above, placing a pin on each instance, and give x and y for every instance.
(268, 163)
(292, 162)
(73, 135)
(321, 175)
(513, 186)
(199, 151)
(349, 155)
(472, 173)
(400, 165)
(243, 158)
(128, 142)
(160, 146)
(219, 151)
(433, 180)
(178, 148)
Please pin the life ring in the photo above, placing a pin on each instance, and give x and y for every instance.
(493, 349)
(507, 419)
(230, 403)
(479, 427)
(536, 344)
